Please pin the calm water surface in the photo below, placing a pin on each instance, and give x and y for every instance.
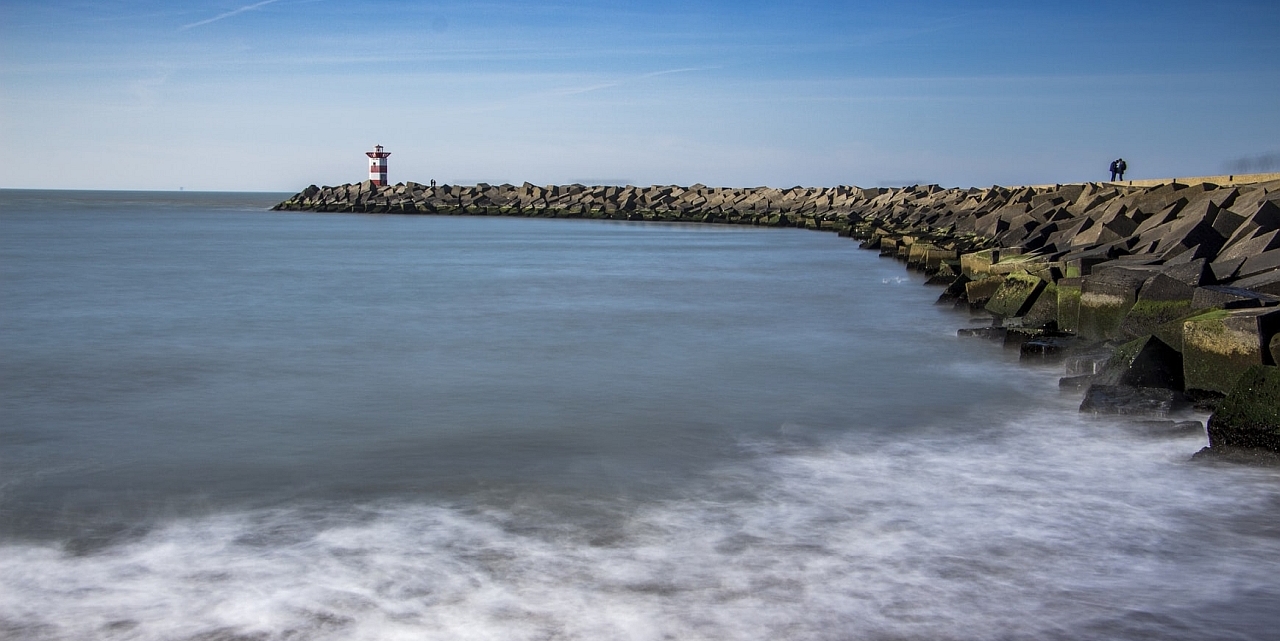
(220, 422)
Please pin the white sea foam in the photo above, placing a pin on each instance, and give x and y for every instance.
(1052, 527)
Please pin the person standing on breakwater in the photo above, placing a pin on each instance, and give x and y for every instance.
(1120, 167)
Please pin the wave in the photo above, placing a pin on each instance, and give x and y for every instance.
(1049, 525)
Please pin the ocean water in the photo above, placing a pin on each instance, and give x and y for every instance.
(221, 422)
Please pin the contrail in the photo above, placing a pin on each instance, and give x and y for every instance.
(228, 14)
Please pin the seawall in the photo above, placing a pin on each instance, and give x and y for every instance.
(1156, 294)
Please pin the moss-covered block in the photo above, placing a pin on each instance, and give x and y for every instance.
(1171, 331)
(1144, 362)
(1069, 304)
(1044, 311)
(937, 258)
(1015, 295)
(1250, 414)
(1219, 346)
(978, 292)
(918, 253)
(1161, 299)
(1147, 315)
(975, 264)
(1105, 300)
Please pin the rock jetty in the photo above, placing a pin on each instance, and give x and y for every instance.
(1155, 295)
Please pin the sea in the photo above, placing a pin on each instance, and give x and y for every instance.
(220, 422)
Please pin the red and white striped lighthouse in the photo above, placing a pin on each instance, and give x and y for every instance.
(377, 165)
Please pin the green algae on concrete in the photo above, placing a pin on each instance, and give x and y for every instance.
(1162, 298)
(1102, 311)
(975, 264)
(918, 254)
(1171, 332)
(1069, 304)
(1250, 414)
(1147, 315)
(1219, 346)
(978, 292)
(1016, 294)
(1044, 311)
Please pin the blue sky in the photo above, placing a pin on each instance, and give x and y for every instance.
(278, 94)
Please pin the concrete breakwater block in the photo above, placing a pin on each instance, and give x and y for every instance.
(1160, 300)
(1105, 300)
(1015, 295)
(1231, 298)
(978, 292)
(1219, 346)
(1145, 362)
(1129, 401)
(1250, 414)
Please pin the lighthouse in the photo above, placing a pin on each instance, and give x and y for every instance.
(377, 165)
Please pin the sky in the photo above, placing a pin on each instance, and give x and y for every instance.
(274, 95)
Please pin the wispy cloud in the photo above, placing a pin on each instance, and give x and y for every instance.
(248, 7)
(622, 81)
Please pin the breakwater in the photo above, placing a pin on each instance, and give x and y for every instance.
(1154, 296)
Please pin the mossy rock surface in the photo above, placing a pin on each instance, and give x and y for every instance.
(978, 292)
(1044, 311)
(1250, 414)
(1101, 314)
(1171, 332)
(1016, 294)
(976, 264)
(1221, 345)
(1069, 304)
(1146, 315)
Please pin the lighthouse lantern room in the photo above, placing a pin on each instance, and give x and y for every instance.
(377, 165)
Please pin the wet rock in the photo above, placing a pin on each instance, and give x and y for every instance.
(1226, 454)
(1088, 361)
(1165, 428)
(1145, 362)
(989, 333)
(1046, 348)
(1075, 383)
(1129, 401)
(1249, 417)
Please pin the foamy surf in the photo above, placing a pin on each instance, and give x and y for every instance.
(1036, 528)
